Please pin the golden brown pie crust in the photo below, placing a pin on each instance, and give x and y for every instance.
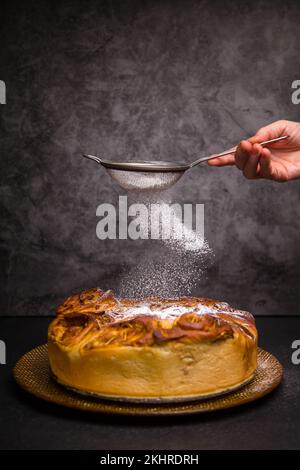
(152, 347)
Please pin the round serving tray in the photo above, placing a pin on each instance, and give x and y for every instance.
(32, 373)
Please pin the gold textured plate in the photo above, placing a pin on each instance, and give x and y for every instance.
(33, 374)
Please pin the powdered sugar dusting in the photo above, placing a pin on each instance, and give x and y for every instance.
(171, 309)
(164, 312)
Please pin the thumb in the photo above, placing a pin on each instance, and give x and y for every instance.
(272, 131)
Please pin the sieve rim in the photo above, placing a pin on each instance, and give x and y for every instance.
(146, 166)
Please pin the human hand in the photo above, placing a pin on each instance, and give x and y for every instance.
(279, 162)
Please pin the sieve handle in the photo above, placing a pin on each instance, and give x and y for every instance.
(228, 152)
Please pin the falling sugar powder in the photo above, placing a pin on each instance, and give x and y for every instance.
(161, 273)
(183, 237)
(173, 265)
(173, 226)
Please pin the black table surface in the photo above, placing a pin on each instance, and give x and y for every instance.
(272, 422)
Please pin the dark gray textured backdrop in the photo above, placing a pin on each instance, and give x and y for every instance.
(157, 79)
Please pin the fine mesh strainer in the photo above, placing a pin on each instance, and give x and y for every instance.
(148, 175)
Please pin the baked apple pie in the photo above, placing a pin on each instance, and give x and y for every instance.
(151, 349)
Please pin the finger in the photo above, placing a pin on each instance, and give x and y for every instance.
(265, 161)
(242, 154)
(251, 168)
(222, 161)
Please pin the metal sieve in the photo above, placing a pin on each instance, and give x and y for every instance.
(155, 175)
